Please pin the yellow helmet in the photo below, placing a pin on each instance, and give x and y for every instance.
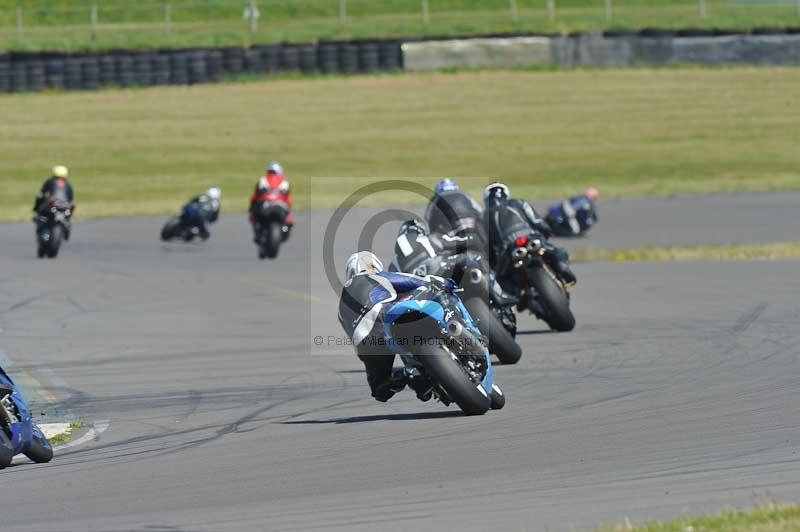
(61, 171)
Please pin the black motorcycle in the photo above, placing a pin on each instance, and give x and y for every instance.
(184, 226)
(494, 316)
(269, 224)
(541, 290)
(53, 226)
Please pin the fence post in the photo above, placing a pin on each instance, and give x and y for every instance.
(551, 9)
(702, 8)
(168, 17)
(512, 5)
(20, 29)
(426, 18)
(342, 11)
(608, 11)
(254, 15)
(93, 21)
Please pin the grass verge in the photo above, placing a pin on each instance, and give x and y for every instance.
(637, 131)
(771, 251)
(65, 25)
(64, 437)
(772, 518)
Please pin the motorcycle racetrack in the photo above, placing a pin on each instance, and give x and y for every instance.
(676, 392)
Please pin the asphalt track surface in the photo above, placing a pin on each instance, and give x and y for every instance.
(677, 392)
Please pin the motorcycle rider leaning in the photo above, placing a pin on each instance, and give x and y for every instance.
(452, 211)
(416, 249)
(56, 188)
(202, 210)
(366, 297)
(574, 216)
(272, 185)
(508, 218)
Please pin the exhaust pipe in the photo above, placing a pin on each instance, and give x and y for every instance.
(475, 276)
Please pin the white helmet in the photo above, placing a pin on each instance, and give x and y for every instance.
(214, 193)
(275, 168)
(496, 191)
(361, 263)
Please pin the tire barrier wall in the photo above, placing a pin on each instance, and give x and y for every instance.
(32, 72)
(21, 71)
(612, 49)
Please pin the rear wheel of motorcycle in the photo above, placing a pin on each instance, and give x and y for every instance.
(273, 240)
(554, 300)
(468, 395)
(170, 228)
(55, 241)
(6, 450)
(501, 343)
(39, 450)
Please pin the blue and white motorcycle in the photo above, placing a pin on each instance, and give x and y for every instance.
(18, 432)
(437, 340)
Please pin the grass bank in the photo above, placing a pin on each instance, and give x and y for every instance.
(770, 251)
(765, 519)
(636, 131)
(65, 24)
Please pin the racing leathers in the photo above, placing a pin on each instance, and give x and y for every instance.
(271, 188)
(201, 210)
(362, 307)
(573, 216)
(454, 212)
(509, 220)
(55, 189)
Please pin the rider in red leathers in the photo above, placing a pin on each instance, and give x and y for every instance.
(271, 188)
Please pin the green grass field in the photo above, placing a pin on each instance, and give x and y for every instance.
(634, 131)
(770, 251)
(765, 519)
(65, 24)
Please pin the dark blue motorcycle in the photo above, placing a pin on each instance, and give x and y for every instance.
(437, 340)
(18, 432)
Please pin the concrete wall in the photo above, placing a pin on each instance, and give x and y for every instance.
(598, 50)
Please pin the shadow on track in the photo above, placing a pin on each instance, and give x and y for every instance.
(385, 417)
(536, 331)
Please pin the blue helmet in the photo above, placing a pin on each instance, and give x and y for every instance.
(445, 185)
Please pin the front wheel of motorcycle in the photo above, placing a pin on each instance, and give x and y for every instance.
(501, 343)
(553, 298)
(56, 233)
(170, 228)
(273, 238)
(449, 374)
(39, 450)
(6, 449)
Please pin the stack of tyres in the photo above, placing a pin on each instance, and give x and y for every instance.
(54, 73)
(328, 58)
(233, 60)
(72, 73)
(19, 77)
(179, 73)
(125, 71)
(36, 75)
(197, 68)
(369, 57)
(348, 58)
(214, 65)
(391, 55)
(160, 69)
(108, 72)
(143, 69)
(5, 75)
(90, 68)
(290, 58)
(270, 57)
(308, 58)
(252, 61)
